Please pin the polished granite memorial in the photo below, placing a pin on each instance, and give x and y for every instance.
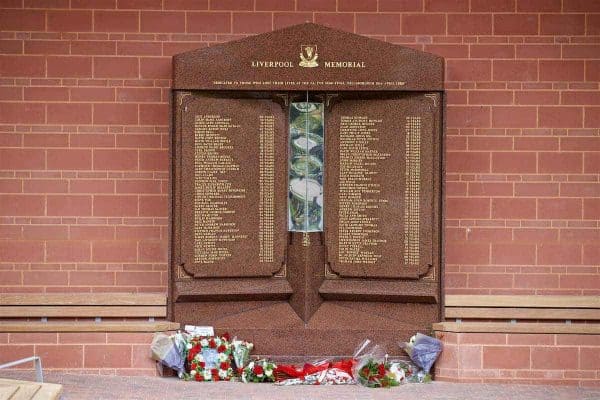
(306, 206)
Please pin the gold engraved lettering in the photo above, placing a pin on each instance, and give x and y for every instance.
(359, 194)
(214, 227)
(412, 190)
(266, 187)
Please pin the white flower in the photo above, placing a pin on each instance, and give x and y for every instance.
(244, 377)
(268, 372)
(207, 375)
(199, 357)
(223, 357)
(188, 346)
(204, 342)
(397, 372)
(193, 372)
(251, 365)
(218, 342)
(249, 345)
(222, 373)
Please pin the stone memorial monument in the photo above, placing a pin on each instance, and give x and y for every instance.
(306, 207)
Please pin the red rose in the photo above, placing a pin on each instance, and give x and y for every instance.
(212, 343)
(198, 377)
(222, 348)
(202, 364)
(381, 370)
(366, 371)
(226, 336)
(193, 366)
(214, 371)
(224, 365)
(258, 370)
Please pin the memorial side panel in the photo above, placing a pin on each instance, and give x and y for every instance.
(233, 187)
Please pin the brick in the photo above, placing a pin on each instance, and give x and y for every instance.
(20, 251)
(139, 48)
(116, 21)
(22, 20)
(81, 337)
(539, 5)
(208, 22)
(514, 162)
(354, 5)
(138, 232)
(105, 159)
(22, 66)
(69, 67)
(591, 208)
(162, 21)
(91, 278)
(46, 93)
(447, 5)
(129, 337)
(573, 281)
(576, 97)
(592, 117)
(423, 24)
(107, 356)
(93, 3)
(33, 337)
(154, 114)
(52, 232)
(496, 357)
(533, 189)
(490, 281)
(153, 206)
(17, 159)
(562, 24)
(470, 24)
(155, 68)
(139, 4)
(492, 51)
(482, 338)
(490, 143)
(460, 208)
(285, 19)
(513, 254)
(93, 47)
(21, 205)
(467, 253)
(91, 186)
(138, 279)
(400, 5)
(554, 358)
(560, 117)
(115, 206)
(581, 5)
(492, 5)
(316, 5)
(561, 70)
(593, 24)
(69, 21)
(116, 67)
(559, 254)
(511, 208)
(559, 208)
(490, 189)
(146, 186)
(534, 235)
(554, 162)
(531, 338)
(378, 24)
(92, 94)
(45, 186)
(69, 113)
(536, 281)
(591, 253)
(591, 163)
(256, 22)
(84, 232)
(517, 70)
(46, 140)
(536, 143)
(45, 278)
(589, 358)
(468, 70)
(581, 50)
(67, 251)
(154, 251)
(538, 51)
(515, 24)
(580, 143)
(580, 189)
(535, 97)
(114, 251)
(468, 162)
(490, 97)
(592, 70)
(514, 117)
(115, 114)
(578, 235)
(69, 205)
(45, 47)
(275, 5)
(69, 159)
(449, 51)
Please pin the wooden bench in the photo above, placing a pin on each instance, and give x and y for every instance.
(84, 312)
(521, 314)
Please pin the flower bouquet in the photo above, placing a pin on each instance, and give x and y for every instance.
(209, 358)
(240, 350)
(259, 371)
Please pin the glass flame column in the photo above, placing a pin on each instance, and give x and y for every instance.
(305, 195)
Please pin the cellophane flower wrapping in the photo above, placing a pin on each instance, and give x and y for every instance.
(240, 350)
(423, 350)
(165, 350)
(372, 369)
(261, 370)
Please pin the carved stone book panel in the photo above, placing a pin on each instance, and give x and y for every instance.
(380, 186)
(232, 181)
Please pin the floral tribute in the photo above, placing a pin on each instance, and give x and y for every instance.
(209, 358)
(259, 371)
(380, 374)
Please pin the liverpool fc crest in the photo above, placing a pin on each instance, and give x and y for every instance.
(308, 56)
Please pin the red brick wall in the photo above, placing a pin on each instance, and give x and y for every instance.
(84, 87)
